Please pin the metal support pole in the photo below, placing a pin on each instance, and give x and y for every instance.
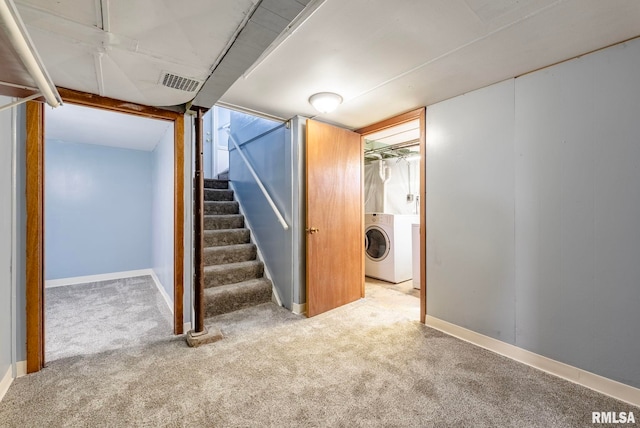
(199, 228)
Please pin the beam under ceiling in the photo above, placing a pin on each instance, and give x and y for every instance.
(263, 26)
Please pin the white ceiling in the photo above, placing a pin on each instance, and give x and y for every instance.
(387, 57)
(121, 49)
(84, 125)
(384, 57)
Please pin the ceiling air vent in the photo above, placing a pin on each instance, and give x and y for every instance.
(179, 82)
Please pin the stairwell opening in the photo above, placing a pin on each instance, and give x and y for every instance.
(235, 275)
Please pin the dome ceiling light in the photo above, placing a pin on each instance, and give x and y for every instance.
(325, 102)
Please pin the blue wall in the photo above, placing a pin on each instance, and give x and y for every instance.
(97, 209)
(162, 211)
(265, 144)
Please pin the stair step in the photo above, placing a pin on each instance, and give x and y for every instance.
(216, 238)
(223, 221)
(229, 254)
(215, 276)
(218, 195)
(233, 297)
(221, 207)
(212, 183)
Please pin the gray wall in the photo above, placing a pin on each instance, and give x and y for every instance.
(470, 199)
(12, 247)
(6, 243)
(98, 209)
(267, 148)
(162, 211)
(533, 208)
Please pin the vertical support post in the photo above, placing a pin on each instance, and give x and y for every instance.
(200, 335)
(199, 226)
(35, 236)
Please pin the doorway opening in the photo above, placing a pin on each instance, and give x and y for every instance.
(173, 190)
(108, 191)
(394, 207)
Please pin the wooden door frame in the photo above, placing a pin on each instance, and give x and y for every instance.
(389, 123)
(35, 117)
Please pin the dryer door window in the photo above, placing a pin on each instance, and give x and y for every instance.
(376, 243)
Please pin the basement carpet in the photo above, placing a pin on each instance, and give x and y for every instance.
(363, 365)
(99, 316)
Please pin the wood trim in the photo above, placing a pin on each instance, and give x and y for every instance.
(35, 235)
(35, 210)
(392, 121)
(91, 100)
(178, 225)
(420, 114)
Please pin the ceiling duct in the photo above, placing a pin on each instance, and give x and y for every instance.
(180, 82)
(254, 36)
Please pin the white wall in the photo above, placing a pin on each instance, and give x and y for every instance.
(532, 212)
(162, 211)
(391, 197)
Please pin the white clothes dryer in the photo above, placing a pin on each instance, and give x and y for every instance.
(388, 246)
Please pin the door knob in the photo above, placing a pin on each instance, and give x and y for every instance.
(313, 230)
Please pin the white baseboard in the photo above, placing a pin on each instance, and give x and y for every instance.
(7, 379)
(299, 309)
(21, 368)
(95, 278)
(186, 327)
(598, 383)
(161, 289)
(5, 383)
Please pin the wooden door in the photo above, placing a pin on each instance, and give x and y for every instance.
(334, 217)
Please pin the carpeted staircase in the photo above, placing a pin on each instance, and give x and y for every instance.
(234, 278)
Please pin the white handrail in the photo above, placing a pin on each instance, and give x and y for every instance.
(284, 224)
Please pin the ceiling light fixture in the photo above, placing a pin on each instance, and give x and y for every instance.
(325, 102)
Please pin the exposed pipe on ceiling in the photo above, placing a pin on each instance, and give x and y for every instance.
(97, 57)
(20, 101)
(105, 15)
(21, 42)
(392, 147)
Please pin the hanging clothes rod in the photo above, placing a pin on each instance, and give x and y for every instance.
(393, 147)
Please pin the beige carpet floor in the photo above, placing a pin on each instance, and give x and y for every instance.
(366, 364)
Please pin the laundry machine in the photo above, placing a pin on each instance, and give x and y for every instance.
(388, 246)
